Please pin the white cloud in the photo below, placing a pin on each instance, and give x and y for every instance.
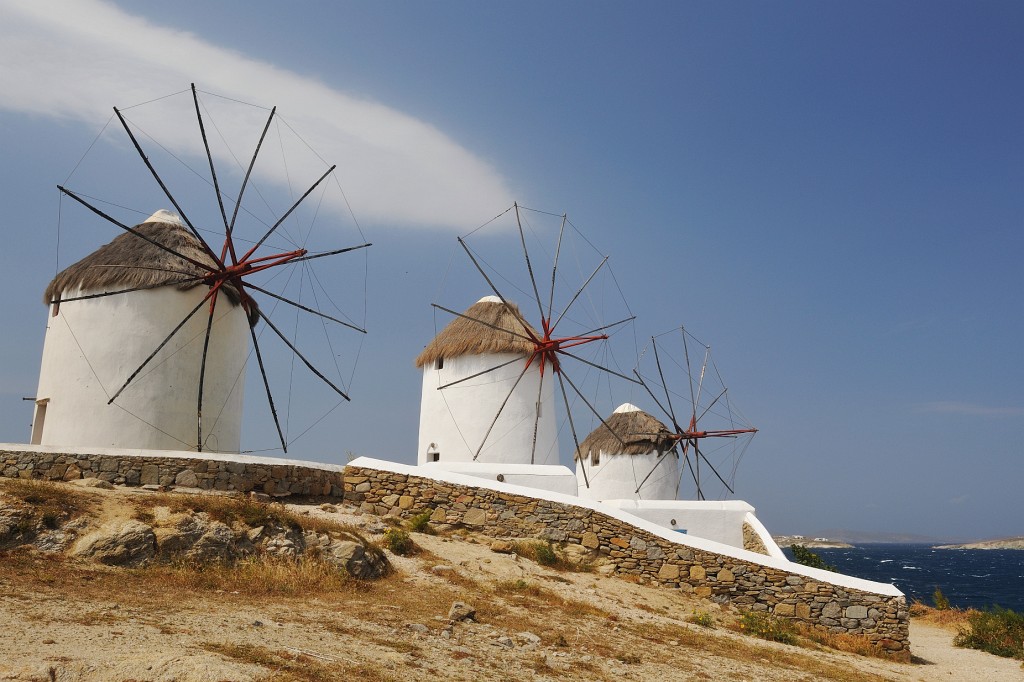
(971, 409)
(75, 59)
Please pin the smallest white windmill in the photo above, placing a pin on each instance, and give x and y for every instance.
(639, 464)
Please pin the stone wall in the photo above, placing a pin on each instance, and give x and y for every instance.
(273, 477)
(882, 619)
(752, 542)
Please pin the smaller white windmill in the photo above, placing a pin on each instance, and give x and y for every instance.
(479, 404)
(641, 464)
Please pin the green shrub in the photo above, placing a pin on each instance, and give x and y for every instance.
(399, 542)
(541, 552)
(766, 626)
(802, 555)
(546, 555)
(940, 600)
(421, 523)
(997, 631)
(702, 618)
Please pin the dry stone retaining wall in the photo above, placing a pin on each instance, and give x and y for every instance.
(882, 619)
(267, 476)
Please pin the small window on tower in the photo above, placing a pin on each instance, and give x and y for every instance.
(433, 454)
(440, 363)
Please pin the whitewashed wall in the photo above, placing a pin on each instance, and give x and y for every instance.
(454, 421)
(718, 521)
(93, 346)
(618, 476)
(557, 479)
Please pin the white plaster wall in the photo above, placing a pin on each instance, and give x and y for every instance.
(617, 476)
(718, 521)
(542, 476)
(456, 419)
(93, 346)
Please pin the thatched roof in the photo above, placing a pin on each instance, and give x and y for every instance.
(641, 433)
(129, 261)
(467, 337)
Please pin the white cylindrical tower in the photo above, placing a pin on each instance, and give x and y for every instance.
(640, 467)
(458, 423)
(93, 346)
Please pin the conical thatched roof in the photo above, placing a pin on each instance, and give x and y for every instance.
(129, 261)
(467, 337)
(641, 433)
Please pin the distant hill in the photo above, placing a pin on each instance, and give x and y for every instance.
(1004, 543)
(856, 537)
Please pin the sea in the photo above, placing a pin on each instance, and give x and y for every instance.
(977, 578)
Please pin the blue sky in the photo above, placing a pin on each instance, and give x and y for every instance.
(828, 193)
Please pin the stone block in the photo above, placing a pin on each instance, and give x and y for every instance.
(803, 611)
(439, 515)
(697, 572)
(668, 572)
(785, 610)
(590, 540)
(150, 475)
(475, 517)
(186, 478)
(703, 591)
(857, 612)
(725, 576)
(405, 502)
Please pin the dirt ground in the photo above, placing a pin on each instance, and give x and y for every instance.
(64, 619)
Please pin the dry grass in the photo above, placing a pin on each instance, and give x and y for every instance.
(294, 665)
(246, 511)
(258, 576)
(853, 644)
(46, 504)
(951, 619)
(753, 652)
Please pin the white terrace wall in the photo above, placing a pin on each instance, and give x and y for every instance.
(242, 473)
(823, 600)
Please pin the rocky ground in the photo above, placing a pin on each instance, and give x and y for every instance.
(126, 584)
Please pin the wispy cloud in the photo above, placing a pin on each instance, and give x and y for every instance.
(971, 409)
(74, 59)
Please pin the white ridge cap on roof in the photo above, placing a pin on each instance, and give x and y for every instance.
(489, 299)
(626, 407)
(164, 216)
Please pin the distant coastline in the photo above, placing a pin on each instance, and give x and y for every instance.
(811, 543)
(1005, 543)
